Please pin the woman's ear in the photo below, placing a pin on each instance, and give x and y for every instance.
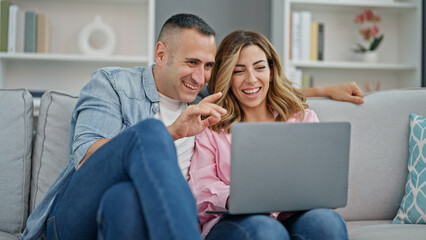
(160, 53)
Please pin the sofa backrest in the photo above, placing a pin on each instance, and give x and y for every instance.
(51, 146)
(378, 156)
(16, 123)
(379, 149)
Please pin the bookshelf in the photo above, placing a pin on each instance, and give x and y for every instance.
(65, 67)
(400, 55)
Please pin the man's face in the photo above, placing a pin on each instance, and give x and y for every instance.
(188, 67)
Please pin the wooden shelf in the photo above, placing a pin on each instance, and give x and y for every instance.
(354, 65)
(351, 4)
(74, 58)
(88, 1)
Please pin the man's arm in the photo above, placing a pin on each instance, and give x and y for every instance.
(189, 123)
(348, 92)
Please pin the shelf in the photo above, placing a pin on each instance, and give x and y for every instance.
(74, 58)
(351, 4)
(88, 1)
(354, 65)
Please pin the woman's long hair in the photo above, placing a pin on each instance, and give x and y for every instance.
(281, 98)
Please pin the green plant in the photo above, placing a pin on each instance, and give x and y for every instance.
(368, 30)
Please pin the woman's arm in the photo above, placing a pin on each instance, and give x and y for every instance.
(209, 186)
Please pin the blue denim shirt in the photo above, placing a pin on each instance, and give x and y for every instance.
(114, 99)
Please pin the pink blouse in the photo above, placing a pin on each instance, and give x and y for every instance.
(209, 173)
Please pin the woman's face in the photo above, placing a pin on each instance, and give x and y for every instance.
(250, 79)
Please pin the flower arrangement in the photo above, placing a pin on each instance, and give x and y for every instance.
(367, 20)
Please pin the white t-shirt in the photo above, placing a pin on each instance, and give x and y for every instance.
(170, 109)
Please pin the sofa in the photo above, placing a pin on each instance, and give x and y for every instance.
(34, 150)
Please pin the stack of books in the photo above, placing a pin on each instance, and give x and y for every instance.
(300, 79)
(23, 31)
(306, 38)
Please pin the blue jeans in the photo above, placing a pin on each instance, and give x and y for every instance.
(141, 163)
(314, 224)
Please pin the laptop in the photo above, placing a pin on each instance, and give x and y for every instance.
(287, 167)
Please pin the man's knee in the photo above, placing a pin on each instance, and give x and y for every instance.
(154, 130)
(120, 215)
(112, 202)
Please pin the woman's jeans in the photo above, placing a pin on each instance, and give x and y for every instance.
(135, 183)
(321, 224)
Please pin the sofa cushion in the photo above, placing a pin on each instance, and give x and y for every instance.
(16, 121)
(7, 236)
(413, 204)
(379, 149)
(51, 146)
(388, 231)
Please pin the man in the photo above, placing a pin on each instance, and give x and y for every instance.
(132, 187)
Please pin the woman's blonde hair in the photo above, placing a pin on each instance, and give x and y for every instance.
(282, 97)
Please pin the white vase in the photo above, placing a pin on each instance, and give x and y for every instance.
(369, 56)
(97, 38)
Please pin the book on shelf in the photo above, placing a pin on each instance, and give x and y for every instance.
(11, 34)
(15, 42)
(20, 31)
(300, 36)
(30, 44)
(43, 33)
(314, 41)
(320, 41)
(295, 36)
(305, 31)
(290, 52)
(4, 24)
(307, 80)
(306, 37)
(295, 75)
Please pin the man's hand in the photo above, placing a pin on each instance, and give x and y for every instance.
(348, 92)
(189, 122)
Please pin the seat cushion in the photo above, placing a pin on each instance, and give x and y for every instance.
(388, 231)
(8, 236)
(16, 121)
(51, 146)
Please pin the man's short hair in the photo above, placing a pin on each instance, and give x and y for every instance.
(183, 21)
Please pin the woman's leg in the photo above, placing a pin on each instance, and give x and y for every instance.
(245, 227)
(119, 212)
(146, 156)
(316, 224)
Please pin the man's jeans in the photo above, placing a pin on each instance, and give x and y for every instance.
(314, 224)
(141, 163)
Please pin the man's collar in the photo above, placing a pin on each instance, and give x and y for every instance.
(148, 83)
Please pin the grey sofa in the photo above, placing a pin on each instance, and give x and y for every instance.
(30, 161)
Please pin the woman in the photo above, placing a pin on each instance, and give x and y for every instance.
(248, 74)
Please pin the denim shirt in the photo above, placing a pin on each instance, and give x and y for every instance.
(114, 99)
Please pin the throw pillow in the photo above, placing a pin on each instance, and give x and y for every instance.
(413, 204)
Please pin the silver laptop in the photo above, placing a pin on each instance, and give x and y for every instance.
(288, 167)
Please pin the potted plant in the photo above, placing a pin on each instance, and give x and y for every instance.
(368, 29)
